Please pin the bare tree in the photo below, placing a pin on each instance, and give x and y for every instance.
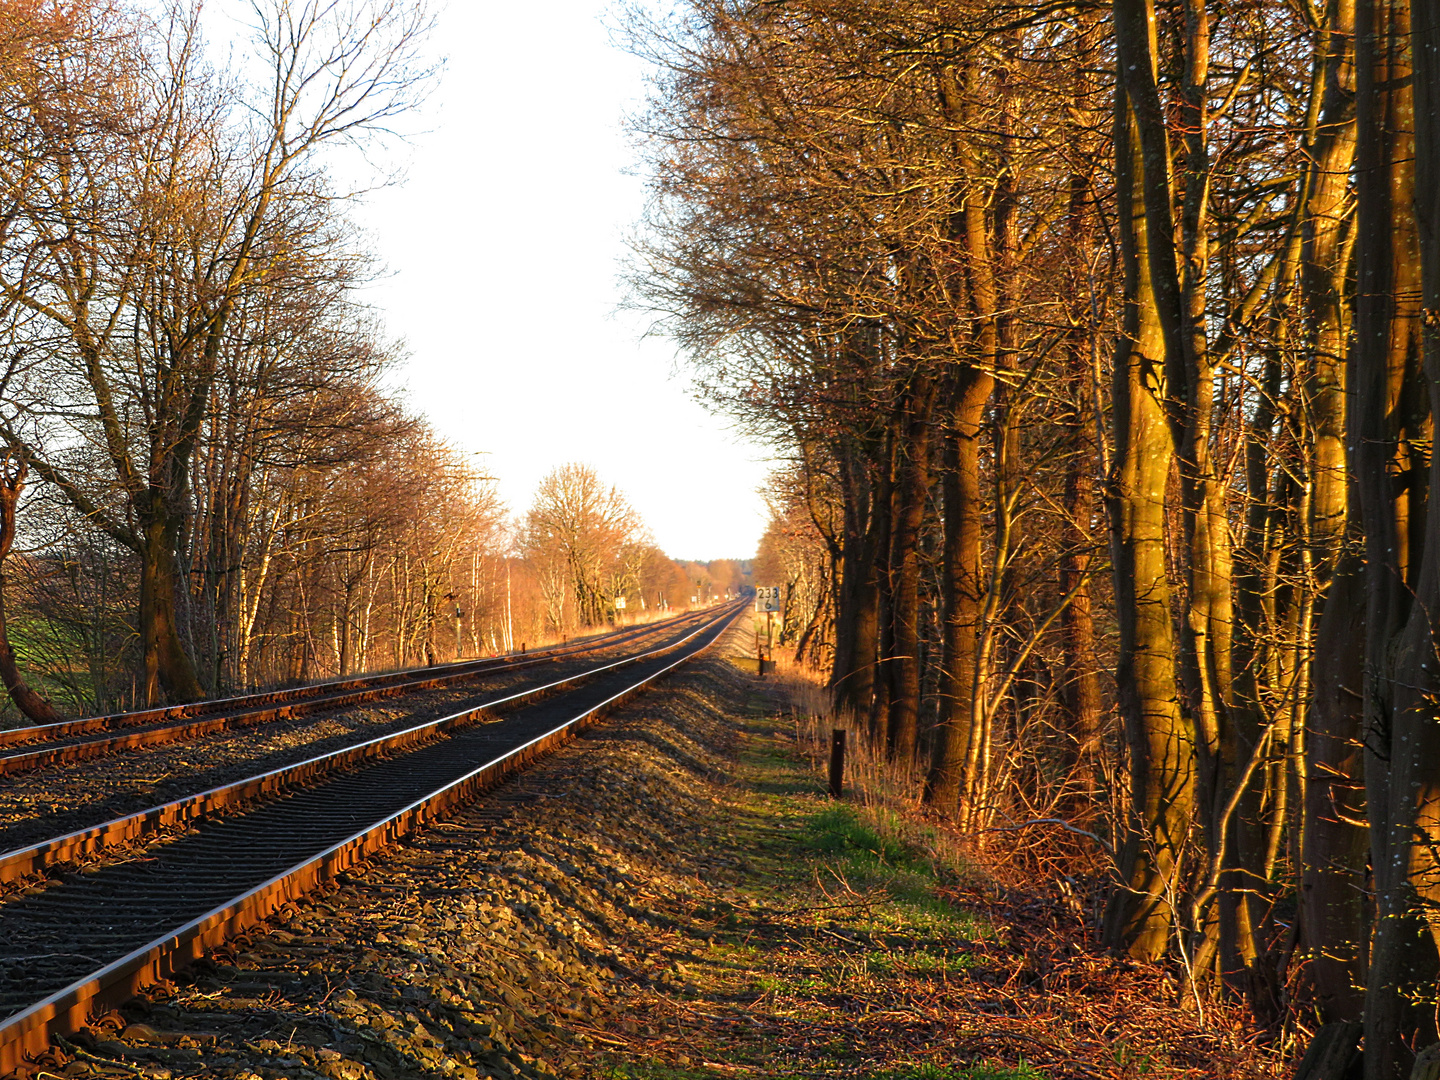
(584, 527)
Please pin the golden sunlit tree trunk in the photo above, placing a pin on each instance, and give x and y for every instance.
(1335, 845)
(1160, 740)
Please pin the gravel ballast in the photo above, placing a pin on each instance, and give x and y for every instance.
(501, 943)
(54, 800)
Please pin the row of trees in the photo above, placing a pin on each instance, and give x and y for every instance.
(1102, 339)
(206, 484)
(392, 554)
(184, 350)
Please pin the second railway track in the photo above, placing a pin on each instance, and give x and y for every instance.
(66, 796)
(26, 748)
(94, 938)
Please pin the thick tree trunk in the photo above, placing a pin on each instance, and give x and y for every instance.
(1399, 263)
(914, 494)
(1335, 845)
(1161, 741)
(963, 590)
(954, 782)
(169, 670)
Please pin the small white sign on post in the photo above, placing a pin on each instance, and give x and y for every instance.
(767, 598)
(619, 603)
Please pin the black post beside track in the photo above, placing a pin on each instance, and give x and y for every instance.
(93, 941)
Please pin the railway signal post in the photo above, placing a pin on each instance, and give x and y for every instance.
(767, 599)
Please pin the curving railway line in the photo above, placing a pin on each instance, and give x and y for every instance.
(217, 862)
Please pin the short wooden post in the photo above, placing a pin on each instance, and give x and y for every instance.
(837, 763)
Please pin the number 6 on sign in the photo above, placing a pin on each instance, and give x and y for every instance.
(767, 598)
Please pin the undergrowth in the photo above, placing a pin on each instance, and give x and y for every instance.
(979, 1071)
(868, 856)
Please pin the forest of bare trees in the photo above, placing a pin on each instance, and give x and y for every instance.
(1101, 341)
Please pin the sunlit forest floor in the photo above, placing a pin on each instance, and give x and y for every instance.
(672, 898)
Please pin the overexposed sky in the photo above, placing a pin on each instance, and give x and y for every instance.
(502, 248)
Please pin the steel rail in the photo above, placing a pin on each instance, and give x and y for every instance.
(190, 809)
(86, 725)
(29, 1031)
(268, 712)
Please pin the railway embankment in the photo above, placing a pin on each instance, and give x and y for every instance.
(669, 897)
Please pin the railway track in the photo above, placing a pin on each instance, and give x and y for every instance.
(91, 940)
(70, 741)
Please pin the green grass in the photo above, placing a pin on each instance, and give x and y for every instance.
(839, 831)
(919, 962)
(869, 859)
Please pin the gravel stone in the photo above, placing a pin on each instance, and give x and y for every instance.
(513, 940)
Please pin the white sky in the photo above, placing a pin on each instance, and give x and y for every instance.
(503, 246)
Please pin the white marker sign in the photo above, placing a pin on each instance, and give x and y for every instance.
(767, 598)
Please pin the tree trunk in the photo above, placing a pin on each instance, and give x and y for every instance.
(169, 671)
(1332, 889)
(1335, 846)
(1398, 221)
(34, 707)
(963, 591)
(1081, 689)
(1161, 741)
(905, 603)
(852, 679)
(883, 572)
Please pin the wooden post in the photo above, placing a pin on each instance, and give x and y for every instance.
(837, 763)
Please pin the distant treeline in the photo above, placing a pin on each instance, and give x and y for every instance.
(352, 572)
